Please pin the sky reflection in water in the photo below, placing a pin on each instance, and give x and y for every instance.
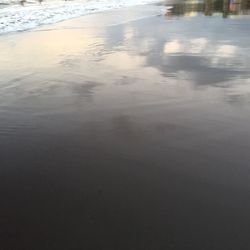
(130, 127)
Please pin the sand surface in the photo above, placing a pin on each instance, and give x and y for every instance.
(126, 130)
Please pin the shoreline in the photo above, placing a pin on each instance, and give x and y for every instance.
(21, 18)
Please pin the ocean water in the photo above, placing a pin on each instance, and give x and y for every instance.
(16, 17)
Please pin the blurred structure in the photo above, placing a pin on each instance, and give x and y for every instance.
(209, 7)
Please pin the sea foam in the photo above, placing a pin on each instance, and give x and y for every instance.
(15, 17)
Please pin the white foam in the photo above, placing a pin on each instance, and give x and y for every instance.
(19, 18)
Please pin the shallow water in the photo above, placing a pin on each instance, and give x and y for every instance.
(127, 130)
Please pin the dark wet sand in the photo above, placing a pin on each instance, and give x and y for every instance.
(126, 130)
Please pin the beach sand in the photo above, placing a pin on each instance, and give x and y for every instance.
(127, 129)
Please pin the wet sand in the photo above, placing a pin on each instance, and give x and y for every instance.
(126, 130)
